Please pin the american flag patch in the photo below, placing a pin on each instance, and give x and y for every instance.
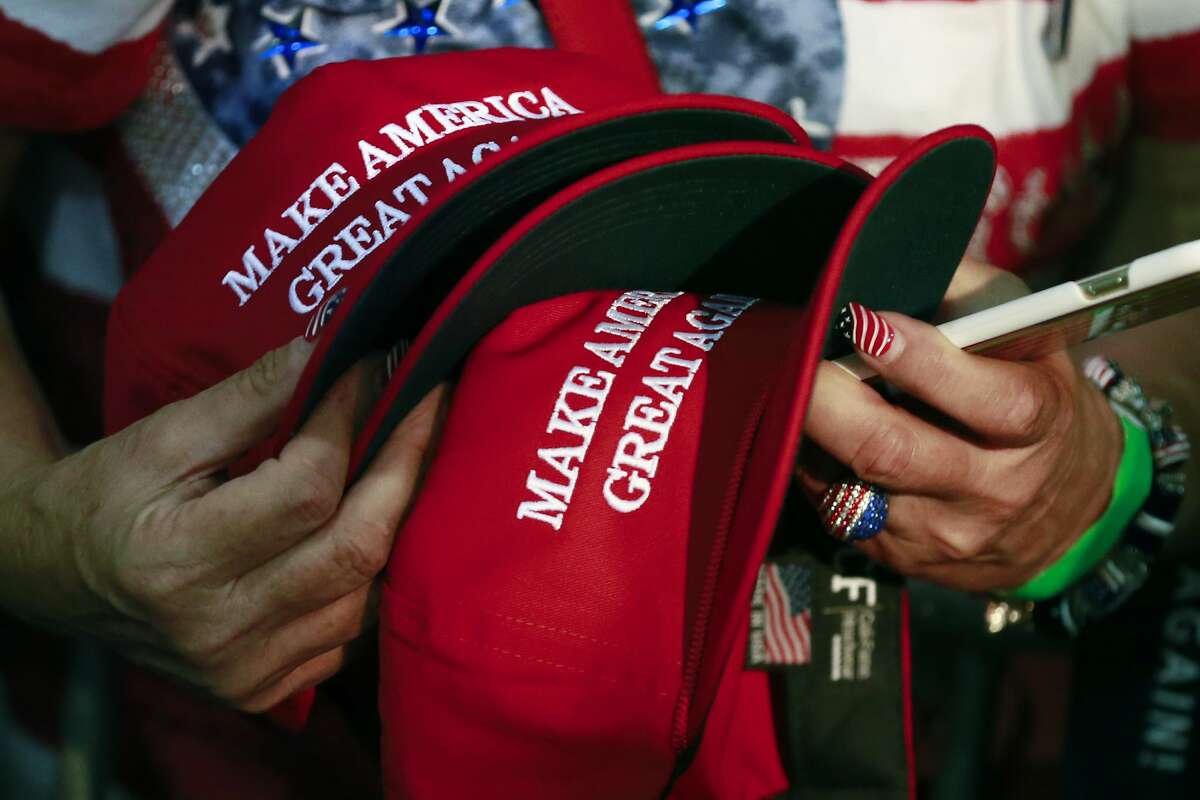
(781, 617)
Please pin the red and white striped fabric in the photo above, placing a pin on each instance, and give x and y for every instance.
(72, 66)
(787, 625)
(913, 66)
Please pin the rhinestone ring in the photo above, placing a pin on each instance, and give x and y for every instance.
(854, 510)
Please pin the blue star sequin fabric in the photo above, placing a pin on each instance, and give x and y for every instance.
(240, 55)
(783, 52)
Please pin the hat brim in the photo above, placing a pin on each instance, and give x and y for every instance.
(749, 218)
(743, 217)
(898, 250)
(398, 288)
(778, 222)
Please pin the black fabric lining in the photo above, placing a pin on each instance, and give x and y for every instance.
(914, 238)
(735, 222)
(432, 259)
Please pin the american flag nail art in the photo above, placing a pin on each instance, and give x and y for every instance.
(868, 331)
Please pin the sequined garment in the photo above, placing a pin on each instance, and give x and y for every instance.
(223, 65)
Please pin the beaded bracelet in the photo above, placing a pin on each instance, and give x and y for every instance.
(1130, 490)
(1125, 567)
(1123, 571)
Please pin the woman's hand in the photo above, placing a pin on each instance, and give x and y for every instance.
(992, 468)
(249, 587)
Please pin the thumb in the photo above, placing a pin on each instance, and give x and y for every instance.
(215, 426)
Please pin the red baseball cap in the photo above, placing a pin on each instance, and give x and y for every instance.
(378, 205)
(566, 631)
(401, 170)
(563, 597)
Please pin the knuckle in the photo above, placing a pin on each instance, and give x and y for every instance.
(1026, 409)
(885, 455)
(314, 494)
(142, 441)
(959, 545)
(261, 378)
(142, 574)
(235, 690)
(936, 369)
(205, 650)
(251, 702)
(363, 554)
(1013, 499)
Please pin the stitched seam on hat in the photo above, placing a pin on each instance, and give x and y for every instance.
(539, 626)
(534, 660)
(687, 694)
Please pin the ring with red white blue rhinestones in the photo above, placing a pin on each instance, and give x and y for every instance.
(854, 511)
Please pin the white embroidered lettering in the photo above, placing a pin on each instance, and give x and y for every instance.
(412, 187)
(389, 217)
(578, 406)
(315, 292)
(253, 275)
(557, 106)
(517, 100)
(452, 168)
(334, 186)
(373, 156)
(480, 149)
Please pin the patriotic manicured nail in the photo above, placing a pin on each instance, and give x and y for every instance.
(868, 331)
(391, 362)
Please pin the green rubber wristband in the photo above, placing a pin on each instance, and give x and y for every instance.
(1131, 487)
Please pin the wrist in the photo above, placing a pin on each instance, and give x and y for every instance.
(1129, 483)
(1156, 453)
(41, 578)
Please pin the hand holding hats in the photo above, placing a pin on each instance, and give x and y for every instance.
(990, 499)
(251, 587)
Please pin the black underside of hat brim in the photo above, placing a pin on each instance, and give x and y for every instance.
(430, 261)
(917, 228)
(759, 225)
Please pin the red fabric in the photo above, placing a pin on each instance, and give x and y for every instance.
(428, 656)
(1044, 196)
(45, 85)
(524, 661)
(209, 335)
(739, 756)
(200, 750)
(444, 665)
(1165, 82)
(607, 29)
(138, 222)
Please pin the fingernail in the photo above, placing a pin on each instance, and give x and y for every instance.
(869, 332)
(392, 362)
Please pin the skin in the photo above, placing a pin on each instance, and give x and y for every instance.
(993, 468)
(254, 587)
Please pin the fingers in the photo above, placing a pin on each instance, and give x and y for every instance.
(355, 546)
(884, 444)
(278, 654)
(320, 594)
(209, 430)
(305, 676)
(1006, 403)
(976, 286)
(245, 522)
